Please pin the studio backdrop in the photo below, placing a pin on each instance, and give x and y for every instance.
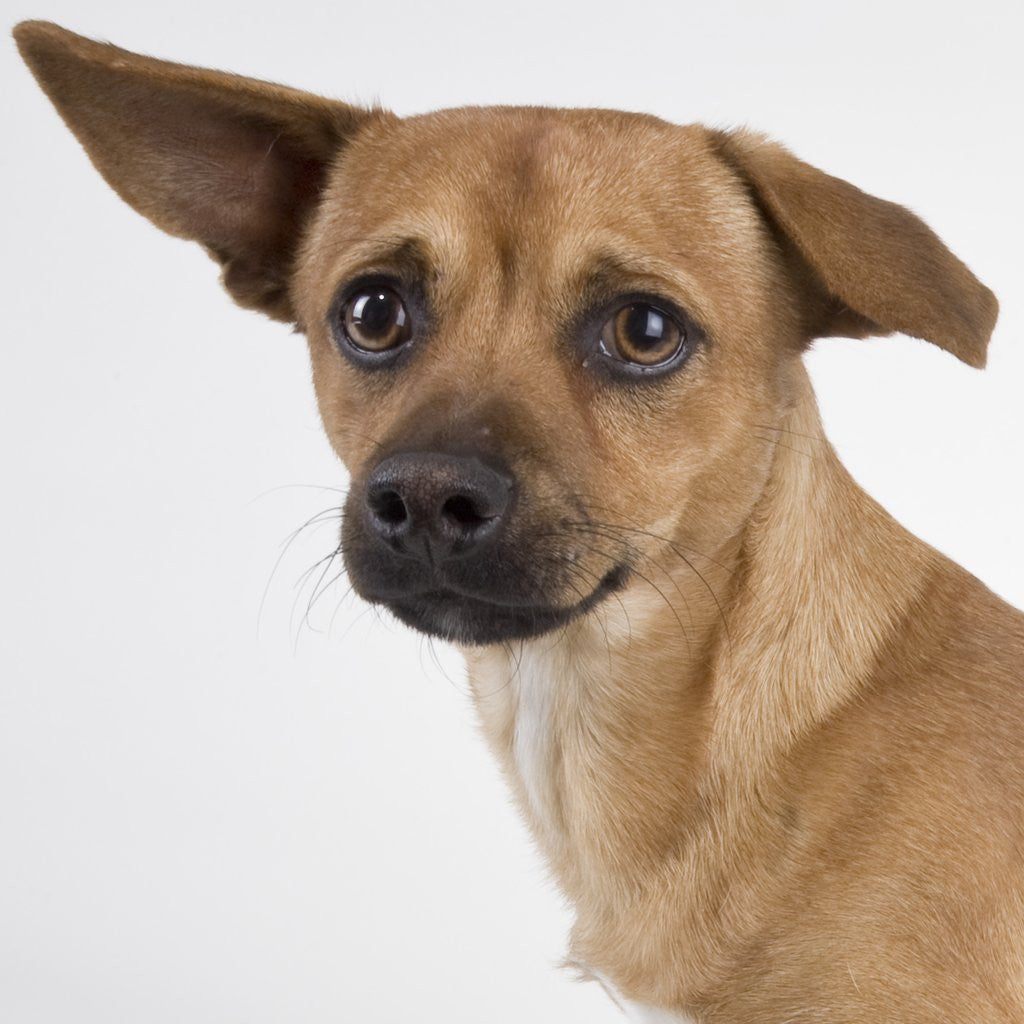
(229, 790)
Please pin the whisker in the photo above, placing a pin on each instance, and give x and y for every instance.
(786, 430)
(326, 515)
(320, 591)
(434, 657)
(326, 561)
(338, 606)
(296, 487)
(676, 550)
(379, 445)
(674, 544)
(517, 660)
(779, 444)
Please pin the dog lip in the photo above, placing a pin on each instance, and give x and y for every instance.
(451, 614)
(612, 580)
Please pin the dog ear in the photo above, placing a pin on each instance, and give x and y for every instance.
(233, 163)
(876, 268)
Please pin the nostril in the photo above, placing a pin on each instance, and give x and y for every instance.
(431, 506)
(389, 507)
(464, 511)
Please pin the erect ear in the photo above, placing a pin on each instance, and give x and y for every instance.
(233, 163)
(877, 268)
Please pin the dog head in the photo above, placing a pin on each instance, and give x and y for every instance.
(548, 344)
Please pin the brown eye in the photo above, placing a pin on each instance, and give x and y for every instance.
(376, 320)
(642, 334)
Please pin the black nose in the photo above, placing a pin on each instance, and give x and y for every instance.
(433, 506)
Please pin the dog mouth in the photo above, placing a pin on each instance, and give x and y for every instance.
(475, 621)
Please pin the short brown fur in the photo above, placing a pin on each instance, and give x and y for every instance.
(780, 773)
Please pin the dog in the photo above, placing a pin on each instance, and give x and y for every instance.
(769, 742)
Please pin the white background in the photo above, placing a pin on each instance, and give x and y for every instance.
(210, 818)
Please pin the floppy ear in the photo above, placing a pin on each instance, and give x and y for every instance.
(233, 163)
(877, 267)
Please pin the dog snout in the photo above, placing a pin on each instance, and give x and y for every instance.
(434, 507)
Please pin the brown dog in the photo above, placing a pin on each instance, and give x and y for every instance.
(769, 741)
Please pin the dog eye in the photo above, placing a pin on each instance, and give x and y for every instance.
(376, 320)
(642, 334)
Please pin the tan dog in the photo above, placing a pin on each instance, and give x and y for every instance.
(770, 743)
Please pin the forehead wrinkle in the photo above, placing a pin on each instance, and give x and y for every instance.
(426, 247)
(406, 253)
(617, 265)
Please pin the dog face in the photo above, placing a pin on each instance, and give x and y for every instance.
(538, 345)
(552, 347)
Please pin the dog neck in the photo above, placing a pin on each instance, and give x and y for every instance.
(626, 735)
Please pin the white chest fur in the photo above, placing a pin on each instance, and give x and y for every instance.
(523, 698)
(535, 746)
(532, 697)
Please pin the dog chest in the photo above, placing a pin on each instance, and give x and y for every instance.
(535, 743)
(519, 697)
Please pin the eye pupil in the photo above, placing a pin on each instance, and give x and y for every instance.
(374, 313)
(375, 320)
(644, 326)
